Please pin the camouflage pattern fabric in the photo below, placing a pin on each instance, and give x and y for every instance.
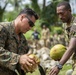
(69, 33)
(74, 71)
(10, 49)
(45, 34)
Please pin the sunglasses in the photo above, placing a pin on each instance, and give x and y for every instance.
(31, 24)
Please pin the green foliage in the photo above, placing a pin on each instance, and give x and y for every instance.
(35, 6)
(38, 25)
(9, 16)
(28, 34)
(50, 16)
(57, 30)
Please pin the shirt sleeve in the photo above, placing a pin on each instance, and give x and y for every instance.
(7, 59)
(73, 31)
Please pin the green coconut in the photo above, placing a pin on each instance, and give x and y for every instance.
(57, 51)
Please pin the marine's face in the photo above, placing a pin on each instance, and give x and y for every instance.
(63, 13)
(27, 23)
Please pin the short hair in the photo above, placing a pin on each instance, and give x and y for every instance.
(29, 12)
(66, 4)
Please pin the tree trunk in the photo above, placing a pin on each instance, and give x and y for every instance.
(1, 15)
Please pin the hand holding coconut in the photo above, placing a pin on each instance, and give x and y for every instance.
(56, 54)
(36, 60)
(29, 62)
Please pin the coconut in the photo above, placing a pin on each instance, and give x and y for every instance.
(57, 51)
(37, 62)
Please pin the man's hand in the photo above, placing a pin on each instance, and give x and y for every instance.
(54, 71)
(26, 63)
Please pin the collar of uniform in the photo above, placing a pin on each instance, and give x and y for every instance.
(13, 30)
(12, 27)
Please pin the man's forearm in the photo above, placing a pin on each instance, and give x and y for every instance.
(66, 56)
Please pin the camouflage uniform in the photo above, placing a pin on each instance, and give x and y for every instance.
(45, 35)
(69, 33)
(10, 49)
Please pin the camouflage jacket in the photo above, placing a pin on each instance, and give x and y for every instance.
(70, 32)
(45, 34)
(10, 49)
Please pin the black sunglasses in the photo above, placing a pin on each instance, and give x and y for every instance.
(30, 22)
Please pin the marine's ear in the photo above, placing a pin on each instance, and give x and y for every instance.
(22, 16)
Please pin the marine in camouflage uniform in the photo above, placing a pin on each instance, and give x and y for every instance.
(70, 32)
(12, 48)
(64, 13)
(45, 35)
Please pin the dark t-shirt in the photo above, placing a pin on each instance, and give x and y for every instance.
(35, 35)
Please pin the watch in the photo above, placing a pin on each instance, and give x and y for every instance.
(59, 66)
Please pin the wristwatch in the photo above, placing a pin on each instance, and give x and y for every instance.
(59, 66)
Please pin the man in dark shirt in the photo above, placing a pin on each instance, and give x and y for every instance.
(36, 36)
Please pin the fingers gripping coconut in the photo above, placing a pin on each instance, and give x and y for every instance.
(33, 67)
(57, 52)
